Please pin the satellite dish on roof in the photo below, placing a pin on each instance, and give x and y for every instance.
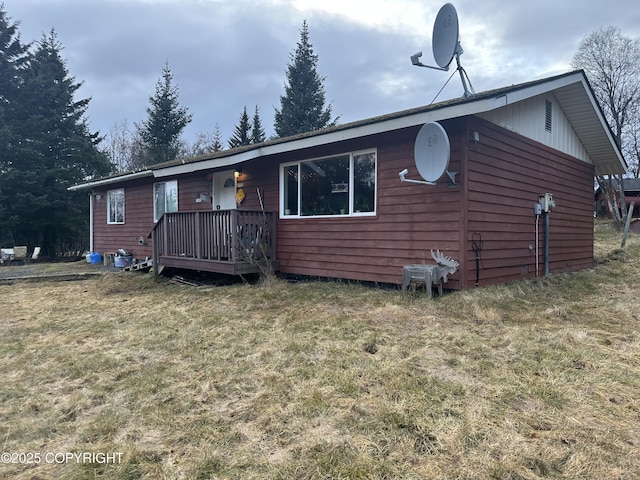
(445, 35)
(445, 42)
(431, 152)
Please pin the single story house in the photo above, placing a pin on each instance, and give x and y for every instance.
(330, 203)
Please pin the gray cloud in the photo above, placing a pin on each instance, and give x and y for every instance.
(228, 54)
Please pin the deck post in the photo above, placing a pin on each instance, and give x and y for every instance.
(273, 228)
(154, 242)
(165, 234)
(234, 240)
(198, 239)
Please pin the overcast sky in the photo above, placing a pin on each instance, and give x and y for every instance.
(227, 54)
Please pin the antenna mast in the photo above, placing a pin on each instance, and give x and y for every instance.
(463, 74)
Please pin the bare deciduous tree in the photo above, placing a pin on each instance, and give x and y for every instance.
(611, 62)
(124, 148)
(206, 142)
(632, 144)
(117, 145)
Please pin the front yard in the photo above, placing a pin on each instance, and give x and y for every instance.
(126, 376)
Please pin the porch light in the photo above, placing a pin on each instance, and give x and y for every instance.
(238, 172)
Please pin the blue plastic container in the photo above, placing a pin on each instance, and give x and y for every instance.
(95, 257)
(121, 261)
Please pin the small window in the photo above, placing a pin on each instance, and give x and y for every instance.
(290, 184)
(115, 206)
(548, 111)
(165, 198)
(364, 183)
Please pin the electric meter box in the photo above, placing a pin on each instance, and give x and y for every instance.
(537, 209)
(547, 202)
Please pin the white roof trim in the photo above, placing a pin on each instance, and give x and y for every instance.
(335, 136)
(110, 180)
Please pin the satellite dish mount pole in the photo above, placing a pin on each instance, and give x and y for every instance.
(461, 71)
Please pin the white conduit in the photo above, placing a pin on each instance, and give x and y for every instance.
(537, 246)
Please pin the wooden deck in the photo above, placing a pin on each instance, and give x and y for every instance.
(232, 242)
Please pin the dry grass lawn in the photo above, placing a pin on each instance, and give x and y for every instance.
(538, 379)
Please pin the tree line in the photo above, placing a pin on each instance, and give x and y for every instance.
(46, 145)
(158, 138)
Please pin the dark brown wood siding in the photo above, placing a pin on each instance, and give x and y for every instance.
(411, 219)
(138, 219)
(262, 175)
(189, 189)
(139, 212)
(507, 173)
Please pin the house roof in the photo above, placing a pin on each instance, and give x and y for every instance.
(631, 186)
(572, 91)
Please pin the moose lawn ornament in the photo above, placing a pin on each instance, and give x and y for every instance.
(429, 275)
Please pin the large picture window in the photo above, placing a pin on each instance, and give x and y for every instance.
(115, 206)
(340, 185)
(165, 198)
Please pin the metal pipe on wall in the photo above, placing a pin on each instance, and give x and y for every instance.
(537, 245)
(91, 222)
(546, 244)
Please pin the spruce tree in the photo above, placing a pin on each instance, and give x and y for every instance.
(50, 149)
(166, 119)
(302, 108)
(257, 132)
(241, 134)
(217, 139)
(206, 143)
(14, 58)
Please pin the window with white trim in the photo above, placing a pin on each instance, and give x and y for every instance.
(115, 206)
(165, 198)
(340, 185)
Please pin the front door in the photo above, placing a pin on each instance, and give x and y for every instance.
(224, 191)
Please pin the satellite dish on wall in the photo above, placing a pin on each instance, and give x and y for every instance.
(445, 42)
(431, 152)
(445, 36)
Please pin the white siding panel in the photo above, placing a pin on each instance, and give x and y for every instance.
(528, 119)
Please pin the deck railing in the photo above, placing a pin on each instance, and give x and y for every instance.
(235, 236)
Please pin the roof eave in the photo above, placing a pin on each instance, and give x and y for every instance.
(355, 130)
(110, 180)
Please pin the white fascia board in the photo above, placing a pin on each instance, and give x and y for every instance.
(598, 117)
(605, 127)
(539, 89)
(190, 167)
(108, 181)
